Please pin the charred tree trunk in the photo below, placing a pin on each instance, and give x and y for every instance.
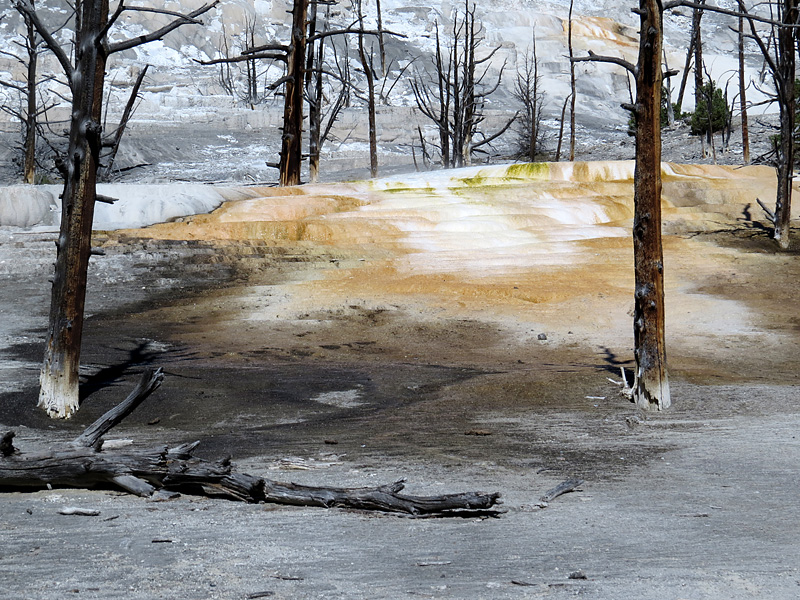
(58, 394)
(29, 167)
(786, 102)
(291, 141)
(651, 391)
(743, 97)
(445, 102)
(457, 61)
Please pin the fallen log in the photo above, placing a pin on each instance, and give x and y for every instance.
(82, 463)
(565, 487)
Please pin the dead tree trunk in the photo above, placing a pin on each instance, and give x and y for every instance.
(31, 44)
(314, 92)
(292, 138)
(652, 387)
(573, 94)
(58, 393)
(781, 64)
(697, 35)
(469, 121)
(743, 97)
(786, 102)
(366, 64)
(83, 464)
(697, 44)
(561, 129)
(685, 75)
(381, 40)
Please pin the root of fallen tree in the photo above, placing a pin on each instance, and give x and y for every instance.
(83, 463)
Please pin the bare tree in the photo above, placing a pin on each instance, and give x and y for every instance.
(322, 112)
(529, 92)
(314, 91)
(31, 107)
(453, 96)
(84, 66)
(697, 45)
(304, 64)
(779, 59)
(651, 390)
(561, 127)
(685, 74)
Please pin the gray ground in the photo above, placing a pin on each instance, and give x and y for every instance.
(698, 502)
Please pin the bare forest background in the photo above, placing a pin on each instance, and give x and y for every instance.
(200, 105)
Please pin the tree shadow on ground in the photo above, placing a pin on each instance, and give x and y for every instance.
(613, 363)
(143, 354)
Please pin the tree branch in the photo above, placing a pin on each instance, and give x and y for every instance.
(723, 11)
(491, 138)
(190, 18)
(243, 58)
(348, 30)
(614, 60)
(26, 9)
(91, 437)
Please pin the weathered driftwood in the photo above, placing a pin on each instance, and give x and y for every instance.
(570, 485)
(83, 463)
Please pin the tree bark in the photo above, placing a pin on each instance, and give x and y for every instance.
(291, 142)
(58, 393)
(651, 390)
